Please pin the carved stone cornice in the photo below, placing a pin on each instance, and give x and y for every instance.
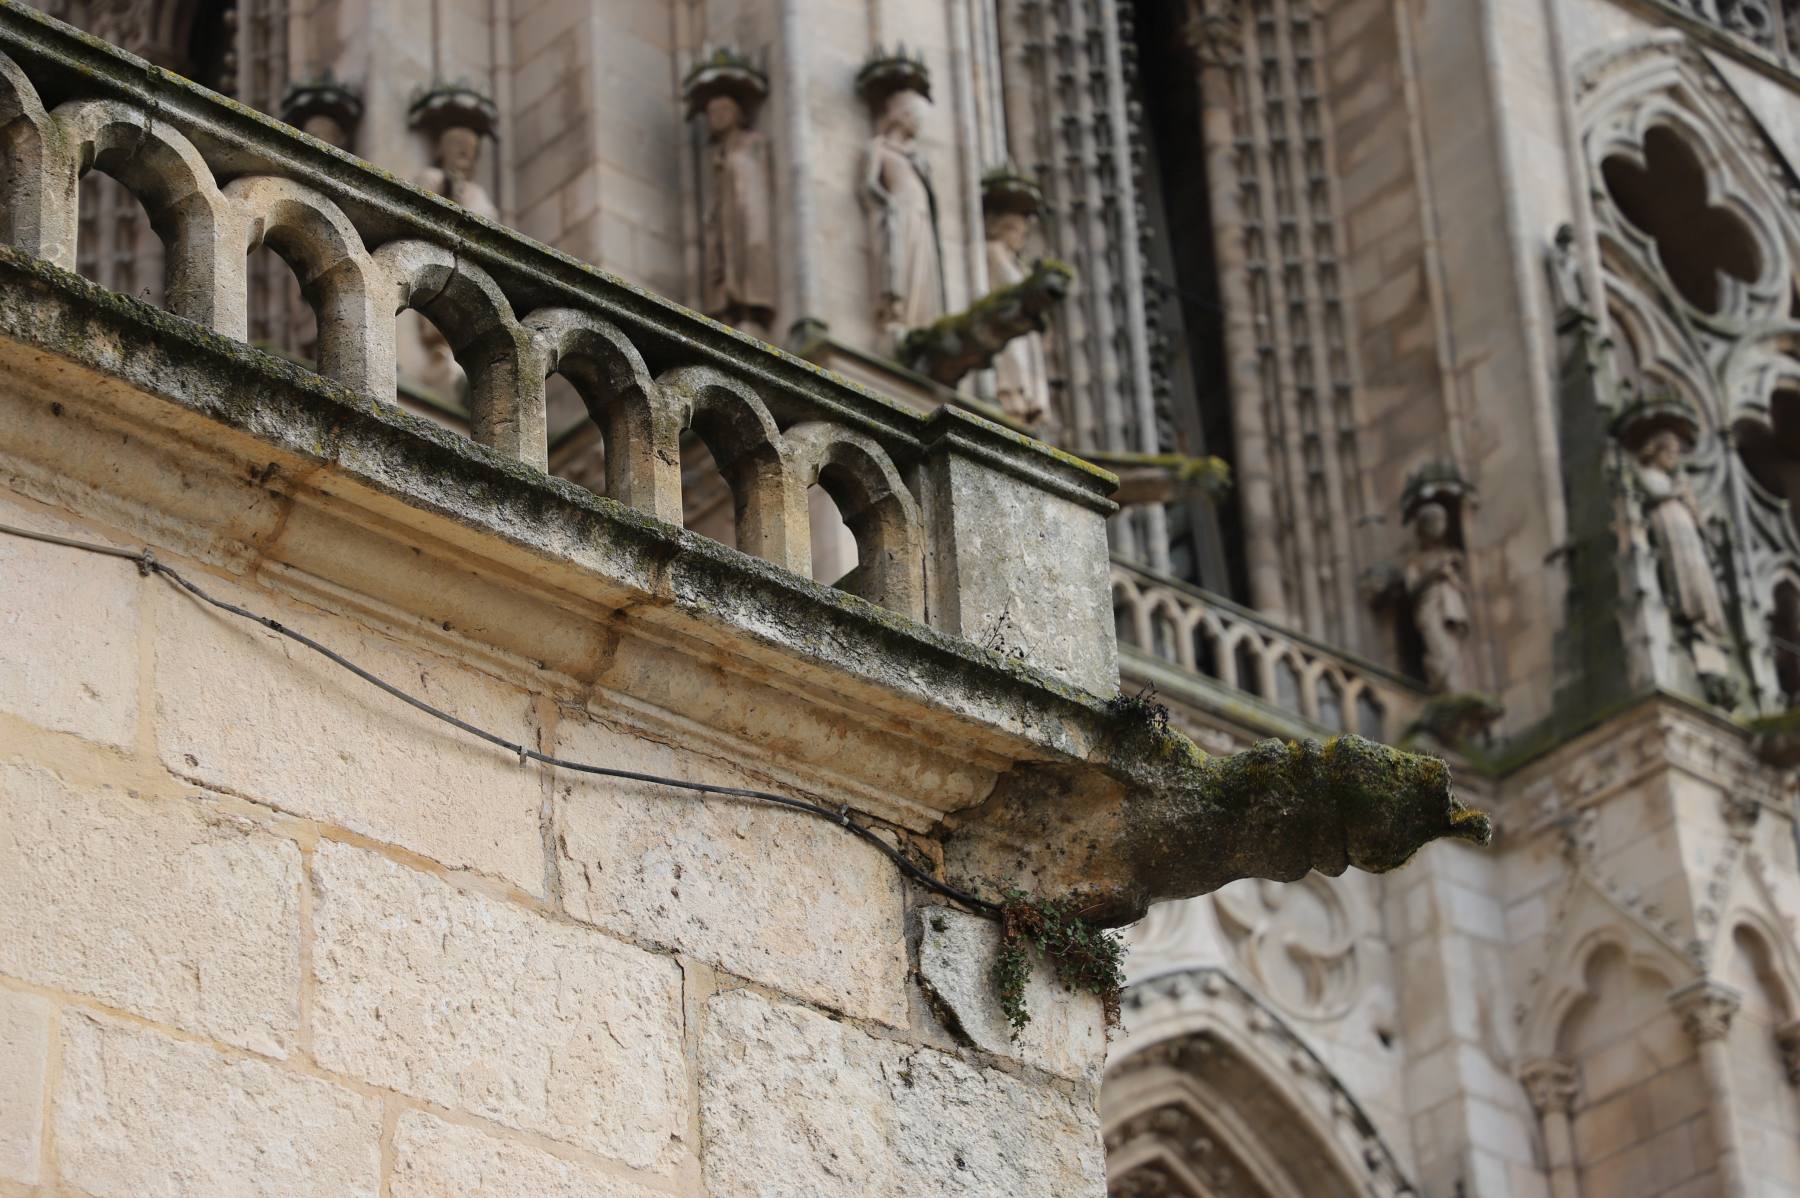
(1552, 1084)
(1706, 1008)
(1617, 756)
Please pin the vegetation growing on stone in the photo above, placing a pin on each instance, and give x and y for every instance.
(1086, 958)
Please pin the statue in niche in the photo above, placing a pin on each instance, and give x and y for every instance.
(897, 191)
(455, 119)
(1437, 591)
(1010, 205)
(1674, 518)
(325, 108)
(737, 232)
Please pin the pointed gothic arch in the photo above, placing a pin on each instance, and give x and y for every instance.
(1211, 1092)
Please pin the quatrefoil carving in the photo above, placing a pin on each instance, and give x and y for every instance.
(1665, 198)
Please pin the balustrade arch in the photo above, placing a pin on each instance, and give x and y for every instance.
(874, 502)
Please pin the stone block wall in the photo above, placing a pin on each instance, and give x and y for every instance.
(269, 932)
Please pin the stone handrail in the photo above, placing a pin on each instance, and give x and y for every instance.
(1211, 636)
(934, 502)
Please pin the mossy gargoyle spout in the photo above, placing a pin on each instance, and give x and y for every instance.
(1160, 820)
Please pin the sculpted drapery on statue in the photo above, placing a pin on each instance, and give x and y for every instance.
(1010, 205)
(1674, 518)
(1438, 590)
(456, 119)
(738, 226)
(897, 192)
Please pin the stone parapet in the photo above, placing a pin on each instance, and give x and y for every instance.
(220, 181)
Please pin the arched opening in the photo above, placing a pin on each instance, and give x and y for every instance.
(833, 544)
(1770, 450)
(115, 243)
(281, 319)
(1196, 1117)
(1772, 1121)
(707, 506)
(1331, 703)
(1784, 638)
(1287, 683)
(1665, 197)
(1206, 650)
(1164, 635)
(1371, 716)
(1249, 668)
(429, 380)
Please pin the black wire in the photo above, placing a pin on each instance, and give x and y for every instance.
(147, 563)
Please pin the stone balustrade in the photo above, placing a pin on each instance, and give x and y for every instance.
(1210, 636)
(957, 522)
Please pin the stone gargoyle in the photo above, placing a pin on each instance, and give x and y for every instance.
(950, 348)
(1158, 819)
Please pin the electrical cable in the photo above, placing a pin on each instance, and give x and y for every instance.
(147, 563)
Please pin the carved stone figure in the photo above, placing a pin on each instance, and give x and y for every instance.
(1674, 518)
(1438, 592)
(1568, 289)
(324, 108)
(1021, 379)
(738, 229)
(903, 219)
(451, 174)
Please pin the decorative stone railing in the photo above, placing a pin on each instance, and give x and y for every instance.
(1771, 26)
(956, 520)
(1213, 637)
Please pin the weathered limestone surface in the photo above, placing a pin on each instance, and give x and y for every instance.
(957, 954)
(773, 895)
(24, 1060)
(245, 710)
(475, 1004)
(75, 670)
(433, 1158)
(1028, 575)
(140, 1115)
(168, 909)
(793, 1103)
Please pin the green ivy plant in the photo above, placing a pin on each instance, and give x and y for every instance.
(1086, 958)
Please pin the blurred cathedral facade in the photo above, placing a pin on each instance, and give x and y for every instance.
(1448, 352)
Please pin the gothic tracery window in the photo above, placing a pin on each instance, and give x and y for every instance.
(1666, 198)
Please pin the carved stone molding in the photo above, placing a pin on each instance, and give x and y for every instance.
(1657, 736)
(1552, 1084)
(1205, 1025)
(1787, 1041)
(1706, 1009)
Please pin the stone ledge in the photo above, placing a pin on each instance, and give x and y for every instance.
(400, 477)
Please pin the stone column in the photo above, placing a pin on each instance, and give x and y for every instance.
(1552, 1086)
(1216, 36)
(1706, 1008)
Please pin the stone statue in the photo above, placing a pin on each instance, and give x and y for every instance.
(1674, 518)
(1568, 289)
(737, 237)
(456, 119)
(903, 219)
(1021, 379)
(452, 171)
(1439, 596)
(325, 108)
